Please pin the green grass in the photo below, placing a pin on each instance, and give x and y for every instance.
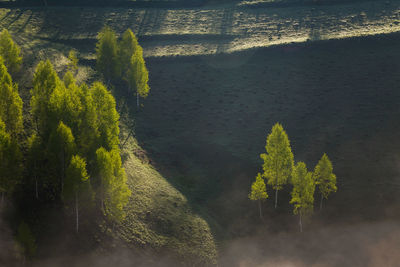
(160, 217)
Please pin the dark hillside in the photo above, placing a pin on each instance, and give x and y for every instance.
(208, 117)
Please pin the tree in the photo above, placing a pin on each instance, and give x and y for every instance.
(35, 158)
(106, 53)
(62, 145)
(324, 178)
(278, 161)
(107, 116)
(10, 159)
(113, 190)
(127, 48)
(10, 52)
(303, 191)
(73, 61)
(45, 81)
(69, 79)
(77, 181)
(139, 76)
(258, 191)
(10, 102)
(26, 241)
(88, 136)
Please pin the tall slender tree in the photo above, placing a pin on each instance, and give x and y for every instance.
(73, 61)
(139, 76)
(35, 160)
(77, 183)
(62, 146)
(278, 161)
(107, 53)
(107, 116)
(10, 163)
(258, 191)
(113, 190)
(325, 178)
(303, 192)
(45, 81)
(10, 102)
(127, 48)
(10, 52)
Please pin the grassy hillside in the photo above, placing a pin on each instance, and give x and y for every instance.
(160, 217)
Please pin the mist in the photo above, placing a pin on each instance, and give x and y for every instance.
(359, 244)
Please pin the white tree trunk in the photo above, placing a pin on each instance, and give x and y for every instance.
(77, 212)
(276, 197)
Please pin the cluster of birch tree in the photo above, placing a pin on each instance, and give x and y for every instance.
(122, 60)
(71, 155)
(280, 170)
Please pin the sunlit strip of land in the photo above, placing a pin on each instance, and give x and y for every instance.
(207, 30)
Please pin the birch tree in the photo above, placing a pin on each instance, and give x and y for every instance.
(62, 145)
(77, 184)
(325, 178)
(106, 54)
(278, 161)
(258, 191)
(10, 102)
(10, 159)
(10, 52)
(303, 192)
(113, 190)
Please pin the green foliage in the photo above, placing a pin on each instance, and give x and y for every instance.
(10, 161)
(26, 240)
(278, 162)
(107, 116)
(45, 81)
(324, 176)
(114, 192)
(10, 52)
(133, 67)
(88, 136)
(69, 79)
(258, 189)
(303, 190)
(73, 61)
(77, 179)
(107, 53)
(10, 102)
(61, 147)
(78, 120)
(77, 186)
(138, 75)
(127, 48)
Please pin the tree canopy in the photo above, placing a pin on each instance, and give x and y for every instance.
(324, 177)
(278, 161)
(303, 191)
(114, 192)
(10, 52)
(10, 160)
(10, 102)
(258, 191)
(107, 53)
